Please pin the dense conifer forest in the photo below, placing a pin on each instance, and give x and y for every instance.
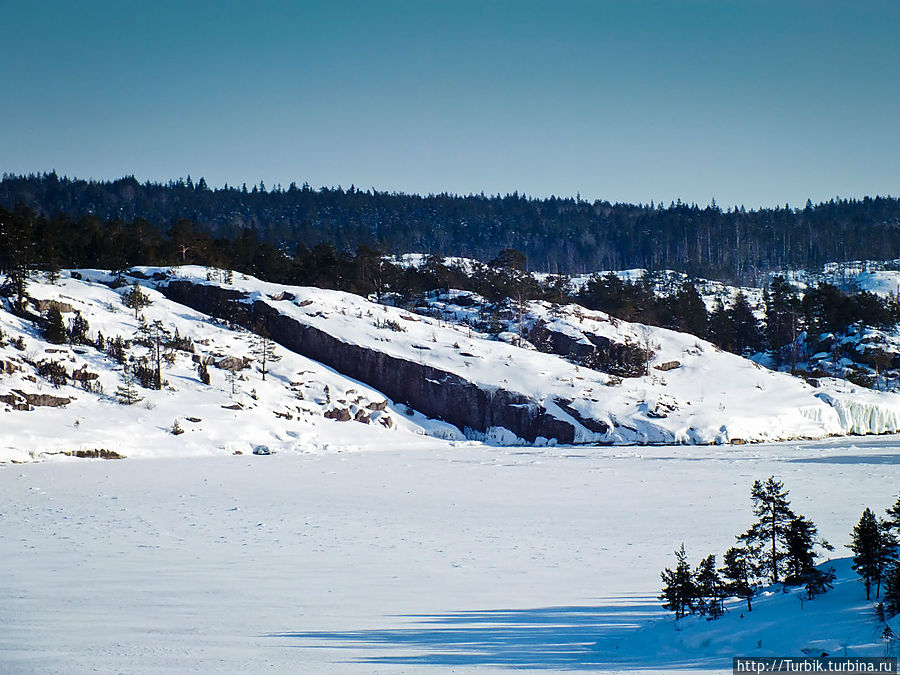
(566, 235)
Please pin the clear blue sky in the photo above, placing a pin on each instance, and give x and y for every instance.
(747, 102)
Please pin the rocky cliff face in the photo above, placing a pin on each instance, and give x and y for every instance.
(623, 359)
(434, 392)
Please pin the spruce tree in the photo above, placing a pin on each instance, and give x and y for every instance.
(78, 330)
(721, 326)
(745, 325)
(678, 590)
(690, 311)
(767, 536)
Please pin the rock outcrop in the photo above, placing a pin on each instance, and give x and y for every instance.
(432, 391)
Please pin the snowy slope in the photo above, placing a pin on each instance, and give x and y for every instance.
(783, 622)
(283, 413)
(710, 397)
(693, 394)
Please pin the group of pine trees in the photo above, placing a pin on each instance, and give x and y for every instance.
(876, 556)
(782, 547)
(824, 309)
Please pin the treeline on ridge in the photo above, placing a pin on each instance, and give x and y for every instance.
(564, 235)
(30, 242)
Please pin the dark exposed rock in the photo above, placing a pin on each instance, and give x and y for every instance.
(362, 416)
(102, 453)
(434, 392)
(84, 375)
(377, 405)
(15, 402)
(339, 414)
(233, 363)
(668, 365)
(21, 400)
(46, 400)
(284, 295)
(623, 359)
(588, 423)
(45, 305)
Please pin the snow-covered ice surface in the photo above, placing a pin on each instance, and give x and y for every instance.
(467, 559)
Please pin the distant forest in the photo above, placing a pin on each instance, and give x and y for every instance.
(564, 235)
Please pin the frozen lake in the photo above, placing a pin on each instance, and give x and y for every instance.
(446, 559)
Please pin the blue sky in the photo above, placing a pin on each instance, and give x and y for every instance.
(747, 102)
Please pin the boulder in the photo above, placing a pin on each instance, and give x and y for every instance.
(668, 365)
(233, 363)
(45, 305)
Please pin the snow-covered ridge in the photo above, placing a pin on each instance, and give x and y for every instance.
(693, 393)
(286, 412)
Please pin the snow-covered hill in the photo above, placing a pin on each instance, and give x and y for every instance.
(378, 368)
(694, 393)
(300, 406)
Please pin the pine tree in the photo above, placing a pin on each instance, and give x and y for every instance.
(54, 327)
(264, 350)
(136, 299)
(155, 337)
(739, 569)
(801, 540)
(892, 591)
(768, 534)
(126, 393)
(747, 332)
(893, 516)
(78, 330)
(678, 586)
(865, 544)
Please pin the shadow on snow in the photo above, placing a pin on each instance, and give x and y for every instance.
(849, 459)
(562, 638)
